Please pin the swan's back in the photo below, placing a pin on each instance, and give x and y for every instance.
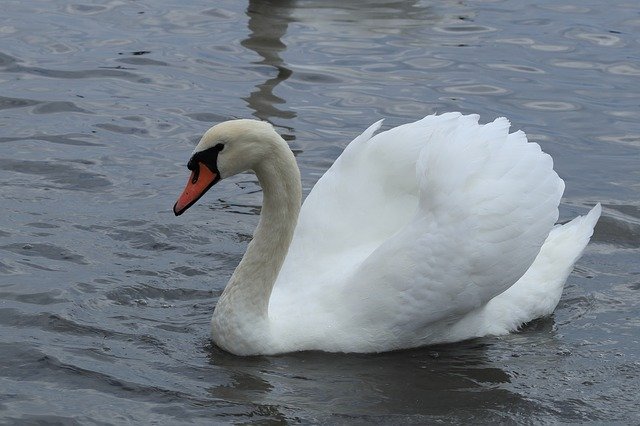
(415, 227)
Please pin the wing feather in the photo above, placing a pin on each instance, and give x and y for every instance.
(487, 200)
(420, 223)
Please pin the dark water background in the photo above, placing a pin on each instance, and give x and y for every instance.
(105, 296)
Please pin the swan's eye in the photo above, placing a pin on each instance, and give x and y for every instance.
(209, 157)
(191, 165)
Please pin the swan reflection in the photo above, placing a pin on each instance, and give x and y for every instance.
(268, 24)
(457, 381)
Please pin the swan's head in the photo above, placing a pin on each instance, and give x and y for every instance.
(225, 150)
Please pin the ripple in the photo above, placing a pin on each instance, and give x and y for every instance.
(476, 89)
(6, 269)
(428, 63)
(632, 115)
(207, 117)
(86, 9)
(41, 298)
(7, 60)
(6, 103)
(48, 251)
(31, 265)
(465, 29)
(132, 295)
(630, 139)
(226, 15)
(55, 107)
(567, 8)
(60, 48)
(550, 106)
(577, 64)
(142, 61)
(141, 240)
(48, 321)
(67, 176)
(523, 41)
(405, 108)
(606, 40)
(189, 272)
(517, 68)
(315, 78)
(537, 22)
(95, 74)
(624, 69)
(551, 47)
(350, 99)
(125, 130)
(68, 139)
(8, 29)
(136, 118)
(618, 229)
(79, 380)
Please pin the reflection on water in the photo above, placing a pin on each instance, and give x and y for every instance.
(105, 297)
(417, 383)
(268, 23)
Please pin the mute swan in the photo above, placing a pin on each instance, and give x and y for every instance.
(434, 231)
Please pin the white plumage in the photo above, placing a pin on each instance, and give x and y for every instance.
(435, 231)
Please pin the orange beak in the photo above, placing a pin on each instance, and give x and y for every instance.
(200, 181)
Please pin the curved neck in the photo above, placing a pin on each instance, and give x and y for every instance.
(245, 300)
(259, 267)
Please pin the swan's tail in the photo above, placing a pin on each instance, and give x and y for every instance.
(537, 293)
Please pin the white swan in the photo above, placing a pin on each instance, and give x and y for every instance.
(435, 231)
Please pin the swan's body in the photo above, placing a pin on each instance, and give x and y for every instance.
(435, 231)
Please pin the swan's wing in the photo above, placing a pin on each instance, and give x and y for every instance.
(487, 202)
(420, 223)
(368, 194)
(538, 291)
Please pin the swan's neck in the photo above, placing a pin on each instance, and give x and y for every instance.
(241, 315)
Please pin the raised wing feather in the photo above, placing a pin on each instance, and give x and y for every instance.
(487, 201)
(418, 224)
(368, 194)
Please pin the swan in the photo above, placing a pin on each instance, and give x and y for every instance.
(435, 231)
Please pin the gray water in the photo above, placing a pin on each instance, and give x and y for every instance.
(105, 296)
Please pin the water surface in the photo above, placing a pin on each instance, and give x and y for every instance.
(105, 296)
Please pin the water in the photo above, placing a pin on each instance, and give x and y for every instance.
(105, 296)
